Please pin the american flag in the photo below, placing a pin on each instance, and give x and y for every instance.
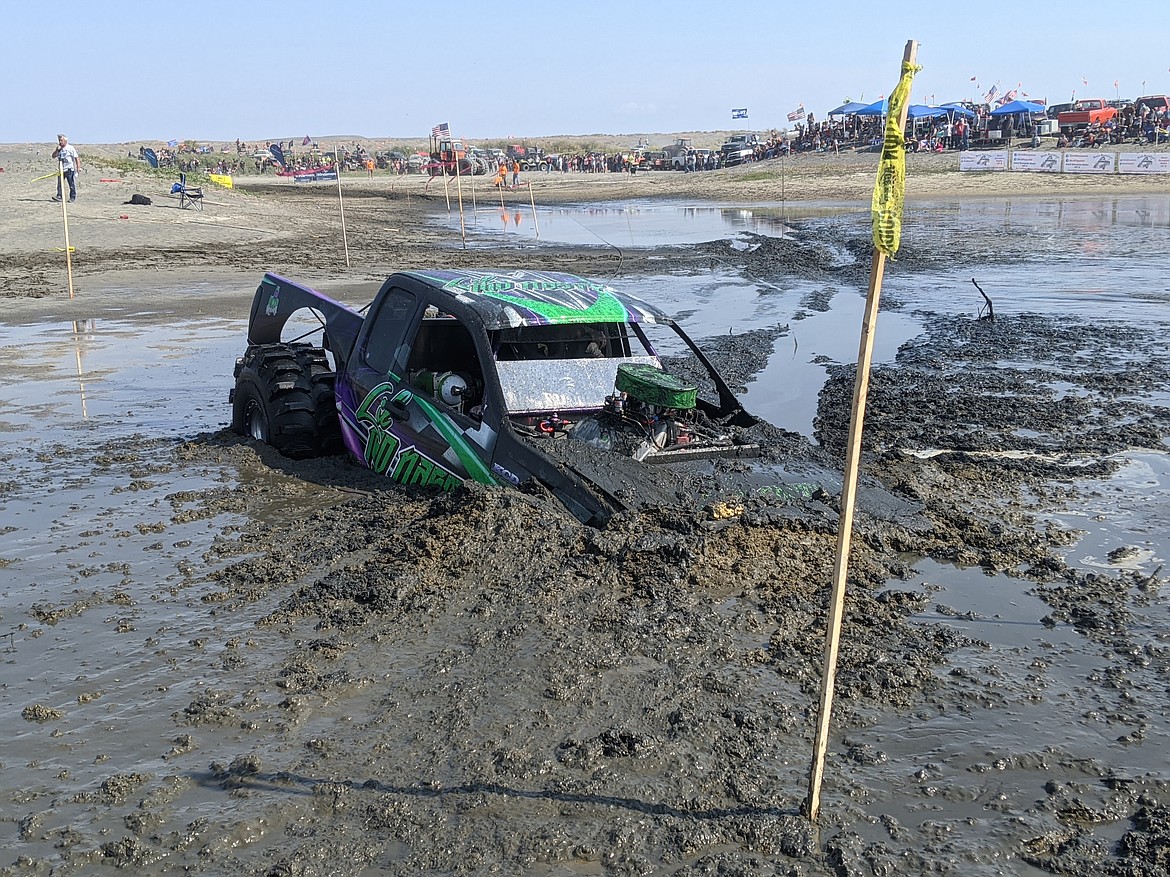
(991, 93)
(798, 113)
(441, 130)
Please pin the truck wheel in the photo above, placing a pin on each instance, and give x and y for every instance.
(284, 398)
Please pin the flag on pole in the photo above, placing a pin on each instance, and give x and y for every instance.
(740, 113)
(991, 93)
(441, 130)
(890, 188)
(1008, 97)
(798, 113)
(306, 141)
(973, 78)
(172, 143)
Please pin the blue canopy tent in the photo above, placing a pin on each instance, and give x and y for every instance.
(847, 109)
(957, 109)
(1017, 107)
(919, 111)
(877, 108)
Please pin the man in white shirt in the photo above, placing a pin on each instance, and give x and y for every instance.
(70, 165)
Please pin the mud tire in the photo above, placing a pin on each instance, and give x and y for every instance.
(284, 398)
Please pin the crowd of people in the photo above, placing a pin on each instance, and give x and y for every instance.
(971, 125)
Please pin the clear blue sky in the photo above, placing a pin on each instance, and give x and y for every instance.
(212, 70)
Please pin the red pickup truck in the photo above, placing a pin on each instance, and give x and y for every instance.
(1084, 113)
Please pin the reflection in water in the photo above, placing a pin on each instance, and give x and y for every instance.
(641, 224)
(83, 330)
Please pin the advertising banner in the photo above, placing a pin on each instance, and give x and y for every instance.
(1036, 161)
(996, 160)
(1090, 162)
(1144, 163)
(316, 177)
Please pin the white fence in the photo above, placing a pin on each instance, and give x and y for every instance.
(1059, 162)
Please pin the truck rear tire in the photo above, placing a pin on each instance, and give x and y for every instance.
(284, 398)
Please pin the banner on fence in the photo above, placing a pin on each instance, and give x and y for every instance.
(1036, 161)
(1143, 163)
(316, 177)
(971, 160)
(1090, 163)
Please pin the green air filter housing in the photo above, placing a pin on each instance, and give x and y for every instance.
(654, 386)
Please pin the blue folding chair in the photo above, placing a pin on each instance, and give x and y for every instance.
(189, 196)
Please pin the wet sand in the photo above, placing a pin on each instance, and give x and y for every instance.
(221, 661)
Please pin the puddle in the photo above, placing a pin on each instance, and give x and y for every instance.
(629, 223)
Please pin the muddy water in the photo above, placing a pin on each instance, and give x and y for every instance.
(218, 661)
(628, 223)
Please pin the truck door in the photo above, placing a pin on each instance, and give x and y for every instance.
(411, 402)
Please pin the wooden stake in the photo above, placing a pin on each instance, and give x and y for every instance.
(341, 203)
(459, 187)
(848, 502)
(65, 222)
(474, 205)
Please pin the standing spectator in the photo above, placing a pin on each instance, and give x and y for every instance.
(70, 163)
(515, 172)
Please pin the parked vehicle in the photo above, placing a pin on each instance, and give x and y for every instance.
(677, 153)
(1091, 111)
(1159, 104)
(531, 158)
(539, 380)
(451, 157)
(738, 149)
(654, 160)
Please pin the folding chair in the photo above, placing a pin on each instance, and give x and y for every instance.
(189, 196)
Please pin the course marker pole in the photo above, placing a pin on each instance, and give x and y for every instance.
(340, 202)
(459, 189)
(65, 223)
(474, 205)
(892, 151)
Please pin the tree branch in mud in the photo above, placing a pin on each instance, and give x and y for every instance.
(990, 315)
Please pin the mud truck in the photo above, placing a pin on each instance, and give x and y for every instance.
(538, 380)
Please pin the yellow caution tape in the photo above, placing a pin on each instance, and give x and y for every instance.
(890, 189)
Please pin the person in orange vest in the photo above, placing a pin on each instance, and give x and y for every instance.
(501, 174)
(515, 172)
